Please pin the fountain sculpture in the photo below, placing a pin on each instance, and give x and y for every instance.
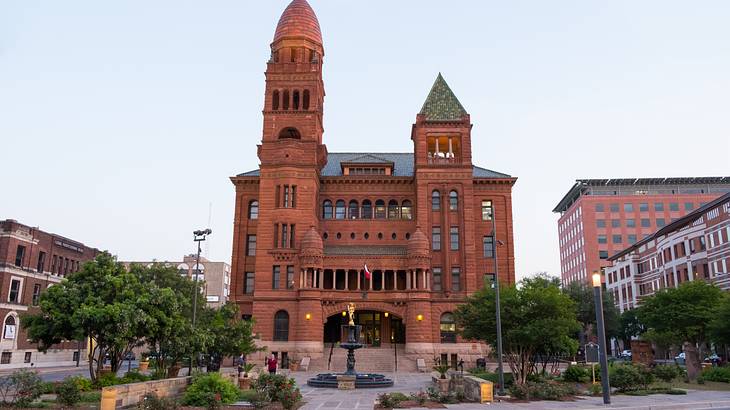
(350, 378)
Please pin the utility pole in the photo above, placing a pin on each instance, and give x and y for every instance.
(500, 365)
(198, 236)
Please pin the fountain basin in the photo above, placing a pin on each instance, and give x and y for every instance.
(362, 380)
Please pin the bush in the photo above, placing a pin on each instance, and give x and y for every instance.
(717, 374)
(576, 374)
(210, 390)
(48, 388)
(22, 387)
(420, 397)
(627, 377)
(549, 390)
(106, 380)
(134, 377)
(666, 373)
(276, 387)
(389, 400)
(82, 383)
(91, 397)
(152, 402)
(68, 393)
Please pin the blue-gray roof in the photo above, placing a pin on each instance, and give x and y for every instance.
(402, 164)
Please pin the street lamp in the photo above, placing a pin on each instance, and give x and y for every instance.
(498, 307)
(198, 236)
(598, 298)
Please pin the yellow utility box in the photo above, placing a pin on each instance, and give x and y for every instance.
(486, 392)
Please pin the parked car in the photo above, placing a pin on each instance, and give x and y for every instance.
(714, 359)
(626, 354)
(129, 356)
(680, 358)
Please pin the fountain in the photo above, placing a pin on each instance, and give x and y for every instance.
(350, 379)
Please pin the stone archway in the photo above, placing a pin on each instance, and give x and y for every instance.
(337, 308)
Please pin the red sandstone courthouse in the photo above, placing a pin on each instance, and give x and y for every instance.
(308, 221)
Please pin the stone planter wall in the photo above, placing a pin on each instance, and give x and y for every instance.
(130, 394)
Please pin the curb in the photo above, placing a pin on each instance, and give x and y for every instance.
(684, 406)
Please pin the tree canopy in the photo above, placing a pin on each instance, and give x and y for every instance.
(538, 322)
(583, 296)
(681, 316)
(119, 309)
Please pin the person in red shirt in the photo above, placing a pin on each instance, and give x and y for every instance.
(271, 363)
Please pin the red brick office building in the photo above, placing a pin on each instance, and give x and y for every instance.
(308, 221)
(600, 217)
(31, 260)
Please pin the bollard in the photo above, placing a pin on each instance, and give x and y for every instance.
(108, 398)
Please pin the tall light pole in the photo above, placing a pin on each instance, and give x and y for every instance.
(198, 236)
(598, 298)
(498, 307)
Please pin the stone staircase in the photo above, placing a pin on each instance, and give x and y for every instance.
(368, 359)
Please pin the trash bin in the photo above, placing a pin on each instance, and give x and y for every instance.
(481, 363)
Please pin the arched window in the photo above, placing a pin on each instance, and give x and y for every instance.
(285, 103)
(406, 210)
(305, 100)
(379, 209)
(281, 326)
(435, 200)
(290, 132)
(354, 210)
(9, 329)
(253, 209)
(448, 328)
(183, 269)
(327, 209)
(275, 100)
(340, 209)
(393, 209)
(367, 209)
(295, 100)
(453, 200)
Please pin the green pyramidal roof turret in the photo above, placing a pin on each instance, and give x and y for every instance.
(441, 103)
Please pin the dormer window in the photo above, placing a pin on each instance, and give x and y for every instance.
(366, 171)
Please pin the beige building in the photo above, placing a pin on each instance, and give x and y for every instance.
(216, 276)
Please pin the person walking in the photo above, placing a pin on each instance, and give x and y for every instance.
(271, 363)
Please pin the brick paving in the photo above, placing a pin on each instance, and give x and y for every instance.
(333, 399)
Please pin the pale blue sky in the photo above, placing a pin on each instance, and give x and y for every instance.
(121, 121)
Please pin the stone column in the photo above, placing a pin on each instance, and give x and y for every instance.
(320, 285)
(359, 279)
(347, 274)
(427, 275)
(370, 281)
(395, 279)
(408, 279)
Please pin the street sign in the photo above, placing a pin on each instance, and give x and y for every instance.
(591, 350)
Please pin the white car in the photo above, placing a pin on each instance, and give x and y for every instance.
(679, 357)
(626, 354)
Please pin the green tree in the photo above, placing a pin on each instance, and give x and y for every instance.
(583, 296)
(102, 302)
(681, 316)
(629, 326)
(719, 328)
(538, 320)
(169, 336)
(224, 334)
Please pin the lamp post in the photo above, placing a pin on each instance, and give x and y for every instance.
(498, 308)
(198, 236)
(598, 298)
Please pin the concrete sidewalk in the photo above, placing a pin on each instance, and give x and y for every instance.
(332, 399)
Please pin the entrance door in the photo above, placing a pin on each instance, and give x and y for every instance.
(397, 330)
(370, 322)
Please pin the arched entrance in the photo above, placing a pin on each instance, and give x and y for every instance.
(378, 328)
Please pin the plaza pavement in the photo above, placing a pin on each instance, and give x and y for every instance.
(333, 399)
